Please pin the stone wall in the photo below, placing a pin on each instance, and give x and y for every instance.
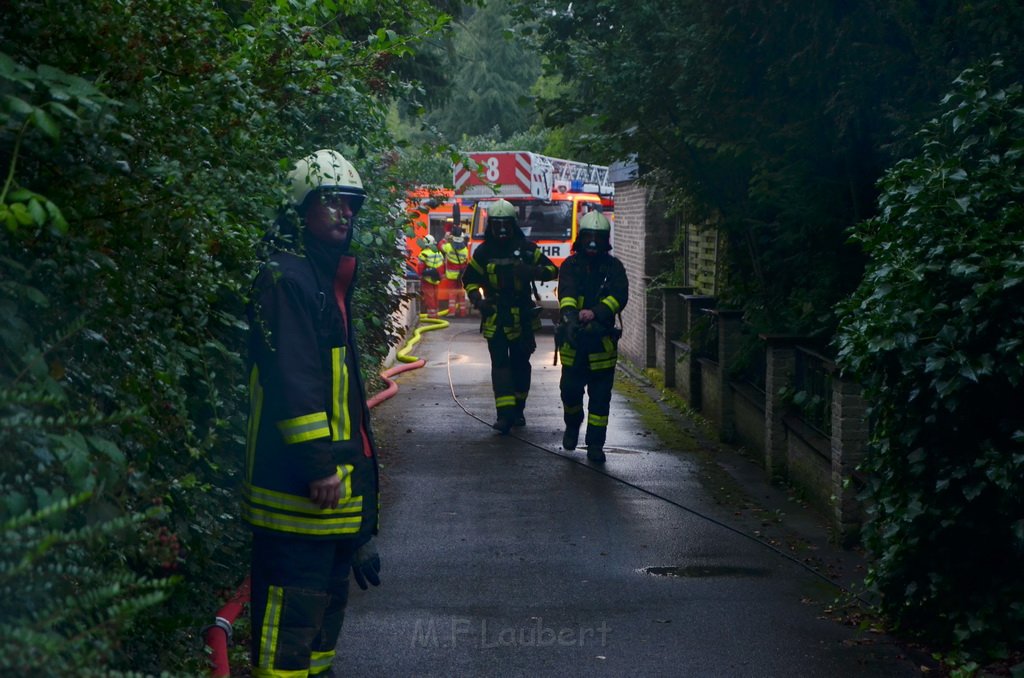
(631, 250)
(642, 238)
(660, 332)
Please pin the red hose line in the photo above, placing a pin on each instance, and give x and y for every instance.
(392, 387)
(218, 635)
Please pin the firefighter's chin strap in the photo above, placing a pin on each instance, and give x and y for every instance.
(655, 495)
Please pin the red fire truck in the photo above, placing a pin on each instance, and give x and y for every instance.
(551, 195)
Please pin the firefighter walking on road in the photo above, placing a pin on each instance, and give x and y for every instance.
(310, 491)
(456, 257)
(431, 267)
(499, 281)
(592, 291)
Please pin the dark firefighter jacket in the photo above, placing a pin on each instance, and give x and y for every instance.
(492, 270)
(308, 415)
(597, 283)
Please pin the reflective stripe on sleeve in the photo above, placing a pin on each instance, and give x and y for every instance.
(306, 427)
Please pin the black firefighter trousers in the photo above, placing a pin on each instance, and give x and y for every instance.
(598, 386)
(299, 593)
(511, 371)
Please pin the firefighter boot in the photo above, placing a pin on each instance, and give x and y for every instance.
(503, 424)
(518, 418)
(571, 436)
(595, 443)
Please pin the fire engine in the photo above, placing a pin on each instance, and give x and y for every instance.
(432, 211)
(550, 194)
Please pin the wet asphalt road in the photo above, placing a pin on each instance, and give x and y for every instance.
(507, 556)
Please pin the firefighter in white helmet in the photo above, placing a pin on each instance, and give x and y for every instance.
(456, 257)
(592, 291)
(498, 281)
(430, 265)
(310, 491)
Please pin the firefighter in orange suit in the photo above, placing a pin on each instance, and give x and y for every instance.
(310, 491)
(431, 270)
(498, 281)
(456, 256)
(592, 290)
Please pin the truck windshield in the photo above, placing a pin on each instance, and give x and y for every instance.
(539, 219)
(544, 220)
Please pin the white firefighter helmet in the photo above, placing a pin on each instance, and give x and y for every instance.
(501, 209)
(594, 234)
(429, 240)
(595, 221)
(501, 219)
(326, 171)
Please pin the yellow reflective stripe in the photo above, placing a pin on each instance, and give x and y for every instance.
(597, 420)
(299, 504)
(271, 626)
(573, 409)
(472, 287)
(475, 264)
(567, 302)
(255, 410)
(505, 401)
(341, 421)
(279, 673)
(568, 355)
(306, 427)
(299, 525)
(320, 662)
(612, 303)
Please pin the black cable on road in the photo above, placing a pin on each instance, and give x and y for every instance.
(650, 493)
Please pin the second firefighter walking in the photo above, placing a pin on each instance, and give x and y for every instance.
(499, 282)
(592, 291)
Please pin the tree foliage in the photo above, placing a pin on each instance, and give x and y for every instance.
(935, 333)
(493, 70)
(777, 118)
(143, 147)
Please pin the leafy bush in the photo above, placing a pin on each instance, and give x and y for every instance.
(143, 147)
(936, 335)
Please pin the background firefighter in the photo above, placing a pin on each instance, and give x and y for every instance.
(431, 269)
(592, 290)
(311, 489)
(498, 281)
(456, 256)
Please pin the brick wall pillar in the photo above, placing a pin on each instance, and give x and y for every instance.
(673, 321)
(730, 336)
(849, 438)
(688, 367)
(780, 363)
(652, 309)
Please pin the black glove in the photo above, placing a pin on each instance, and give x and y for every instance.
(486, 308)
(366, 565)
(571, 323)
(572, 333)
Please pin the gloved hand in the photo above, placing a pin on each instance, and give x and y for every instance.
(366, 565)
(572, 332)
(486, 308)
